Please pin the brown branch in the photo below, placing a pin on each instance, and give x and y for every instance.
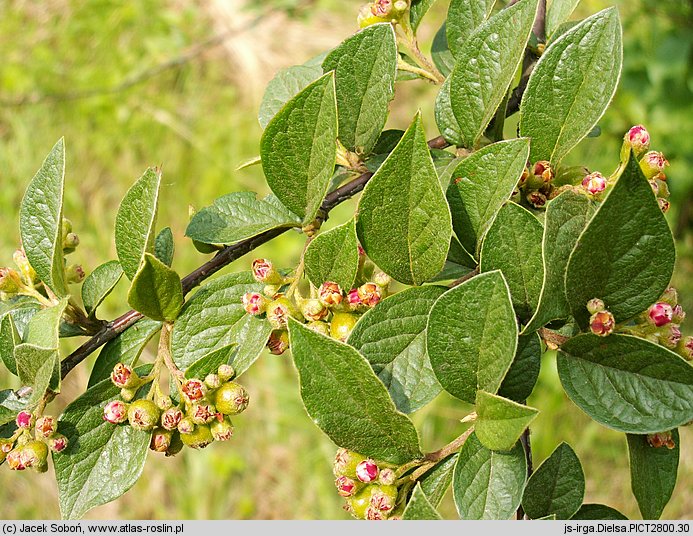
(465, 277)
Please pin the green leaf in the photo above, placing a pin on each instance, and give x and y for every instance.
(436, 481)
(571, 86)
(417, 11)
(9, 339)
(22, 309)
(598, 512)
(298, 148)
(522, 376)
(627, 383)
(347, 401)
(125, 348)
(500, 422)
(566, 217)
(365, 67)
(210, 363)
(486, 65)
(102, 460)
(99, 284)
(513, 246)
(283, 87)
(558, 12)
(10, 405)
(135, 221)
(403, 220)
(334, 256)
(471, 336)
(156, 290)
(488, 484)
(392, 337)
(652, 473)
(440, 52)
(557, 486)
(481, 184)
(419, 506)
(445, 120)
(237, 216)
(458, 263)
(625, 256)
(465, 16)
(41, 218)
(164, 246)
(214, 317)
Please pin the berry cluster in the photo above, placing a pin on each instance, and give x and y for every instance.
(29, 446)
(329, 311)
(369, 487)
(393, 11)
(203, 416)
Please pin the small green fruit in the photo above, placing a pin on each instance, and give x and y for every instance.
(143, 415)
(341, 325)
(199, 438)
(231, 398)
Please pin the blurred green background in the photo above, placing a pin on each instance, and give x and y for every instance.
(178, 84)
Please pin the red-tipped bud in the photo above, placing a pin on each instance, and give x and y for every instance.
(381, 8)
(367, 470)
(45, 427)
(202, 413)
(254, 303)
(171, 418)
(346, 487)
(345, 462)
(143, 414)
(679, 314)
(319, 327)
(595, 305)
(57, 443)
(383, 498)
(594, 183)
(231, 398)
(279, 311)
(194, 390)
(222, 430)
(536, 199)
(161, 440)
(330, 294)
(70, 243)
(25, 420)
(74, 273)
(655, 186)
(10, 282)
(660, 314)
(362, 252)
(115, 412)
(664, 204)
(369, 294)
(313, 310)
(661, 439)
(353, 299)
(125, 377)
(34, 454)
(186, 426)
(671, 336)
(341, 325)
(653, 163)
(602, 323)
(264, 272)
(225, 372)
(278, 341)
(685, 348)
(16, 461)
(544, 170)
(638, 139)
(373, 514)
(199, 438)
(387, 477)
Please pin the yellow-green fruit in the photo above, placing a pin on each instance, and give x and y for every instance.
(341, 325)
(143, 414)
(231, 398)
(37, 453)
(345, 462)
(360, 502)
(199, 438)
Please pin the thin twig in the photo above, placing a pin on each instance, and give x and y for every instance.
(525, 440)
(465, 277)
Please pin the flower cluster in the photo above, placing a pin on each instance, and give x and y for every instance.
(383, 11)
(28, 448)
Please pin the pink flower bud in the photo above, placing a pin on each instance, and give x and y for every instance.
(660, 314)
(671, 336)
(382, 279)
(362, 252)
(161, 440)
(115, 412)
(369, 294)
(25, 420)
(679, 314)
(638, 139)
(387, 476)
(653, 163)
(664, 204)
(202, 413)
(602, 323)
(170, 419)
(278, 342)
(346, 487)
(595, 305)
(264, 272)
(330, 294)
(124, 377)
(74, 273)
(57, 443)
(45, 427)
(367, 470)
(381, 8)
(353, 298)
(194, 389)
(594, 183)
(17, 460)
(661, 439)
(313, 310)
(254, 303)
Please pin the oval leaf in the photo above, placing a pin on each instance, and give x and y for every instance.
(164, 246)
(465, 16)
(298, 148)
(626, 255)
(392, 337)
(445, 120)
(557, 487)
(156, 290)
(500, 422)
(488, 484)
(210, 363)
(557, 13)
(9, 339)
(513, 246)
(334, 256)
(135, 221)
(598, 512)
(435, 482)
(403, 218)
(626, 383)
(486, 65)
(419, 506)
(522, 376)
(652, 473)
(99, 284)
(347, 401)
(571, 86)
(471, 336)
(282, 88)
(440, 53)
(237, 216)
(365, 66)
(41, 220)
(481, 184)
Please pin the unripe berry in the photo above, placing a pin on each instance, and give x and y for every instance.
(115, 412)
(685, 348)
(254, 303)
(400, 5)
(74, 273)
(346, 487)
(125, 377)
(359, 503)
(199, 438)
(222, 430)
(369, 294)
(278, 341)
(279, 311)
(202, 413)
(264, 272)
(366, 18)
(383, 498)
(313, 310)
(595, 305)
(164, 403)
(25, 420)
(65, 227)
(341, 326)
(653, 163)
(367, 470)
(45, 427)
(57, 443)
(387, 477)
(10, 282)
(193, 390)
(143, 414)
(70, 243)
(35, 455)
(602, 323)
(26, 271)
(231, 398)
(171, 418)
(655, 186)
(661, 439)
(186, 426)
(382, 279)
(671, 336)
(319, 327)
(330, 294)
(594, 183)
(660, 314)
(176, 445)
(161, 440)
(345, 462)
(225, 372)
(212, 381)
(638, 139)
